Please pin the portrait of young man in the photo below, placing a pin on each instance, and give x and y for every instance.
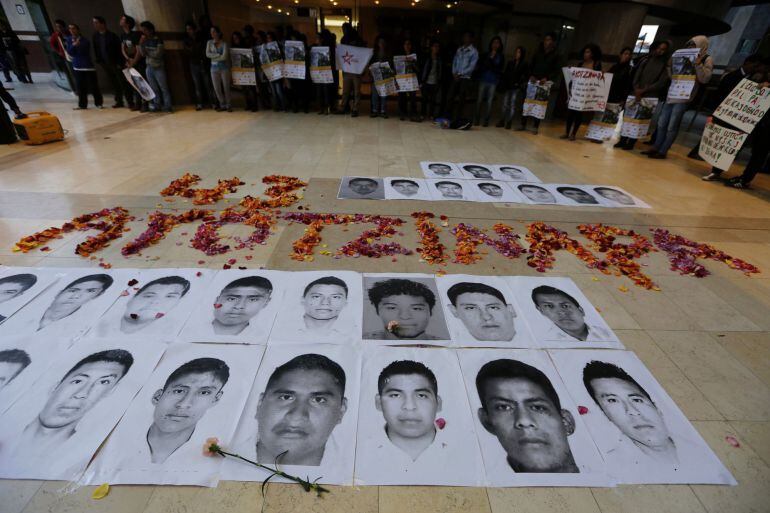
(323, 300)
(239, 302)
(615, 197)
(303, 401)
(520, 407)
(577, 195)
(73, 297)
(566, 317)
(14, 286)
(477, 172)
(491, 190)
(448, 190)
(404, 308)
(513, 174)
(439, 170)
(12, 363)
(155, 300)
(188, 393)
(86, 384)
(631, 409)
(537, 194)
(483, 310)
(361, 187)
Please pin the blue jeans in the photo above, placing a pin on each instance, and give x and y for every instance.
(156, 77)
(378, 102)
(486, 95)
(668, 126)
(510, 102)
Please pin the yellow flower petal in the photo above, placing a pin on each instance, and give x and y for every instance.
(101, 491)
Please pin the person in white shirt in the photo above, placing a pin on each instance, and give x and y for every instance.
(405, 308)
(72, 297)
(483, 310)
(630, 408)
(239, 302)
(407, 396)
(189, 392)
(152, 302)
(520, 407)
(566, 314)
(323, 300)
(304, 400)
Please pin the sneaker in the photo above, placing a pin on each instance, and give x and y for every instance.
(199, 107)
(100, 107)
(571, 137)
(737, 184)
(711, 177)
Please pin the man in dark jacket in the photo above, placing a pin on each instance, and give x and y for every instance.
(109, 58)
(544, 67)
(431, 78)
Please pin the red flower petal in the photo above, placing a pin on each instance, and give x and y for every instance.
(582, 410)
(440, 423)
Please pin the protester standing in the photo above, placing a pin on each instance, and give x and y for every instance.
(431, 76)
(407, 100)
(130, 49)
(592, 59)
(151, 47)
(218, 52)
(544, 68)
(56, 42)
(351, 82)
(512, 86)
(250, 92)
(463, 65)
(380, 55)
(490, 71)
(194, 48)
(109, 58)
(79, 48)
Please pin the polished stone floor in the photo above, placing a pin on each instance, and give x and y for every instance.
(706, 340)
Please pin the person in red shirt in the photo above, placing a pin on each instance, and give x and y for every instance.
(56, 42)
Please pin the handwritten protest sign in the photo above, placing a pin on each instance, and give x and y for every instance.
(720, 145)
(536, 100)
(587, 89)
(746, 104)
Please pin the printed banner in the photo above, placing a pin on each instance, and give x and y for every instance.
(744, 106)
(720, 145)
(587, 89)
(243, 66)
(384, 78)
(406, 72)
(321, 65)
(272, 64)
(138, 82)
(637, 116)
(682, 74)
(536, 101)
(353, 59)
(602, 127)
(294, 60)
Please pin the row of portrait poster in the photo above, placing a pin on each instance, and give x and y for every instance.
(436, 189)
(139, 412)
(476, 171)
(261, 307)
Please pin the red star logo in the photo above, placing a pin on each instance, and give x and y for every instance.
(349, 58)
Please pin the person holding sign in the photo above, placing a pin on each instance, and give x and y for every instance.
(322, 71)
(406, 70)
(379, 101)
(544, 68)
(674, 108)
(592, 59)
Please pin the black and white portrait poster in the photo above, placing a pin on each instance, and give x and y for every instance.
(481, 312)
(20, 285)
(539, 194)
(616, 197)
(513, 173)
(414, 421)
(237, 306)
(156, 306)
(495, 191)
(197, 391)
(321, 65)
(294, 60)
(405, 188)
(71, 306)
(23, 360)
(642, 435)
(451, 190)
(53, 430)
(576, 195)
(138, 82)
(320, 307)
(361, 187)
(529, 431)
(402, 309)
(440, 170)
(474, 171)
(559, 315)
(302, 413)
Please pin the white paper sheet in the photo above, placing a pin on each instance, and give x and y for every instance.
(406, 188)
(418, 429)
(20, 285)
(576, 195)
(434, 169)
(198, 391)
(547, 443)
(539, 194)
(156, 306)
(476, 171)
(302, 413)
(361, 187)
(478, 317)
(320, 307)
(565, 318)
(642, 435)
(71, 306)
(494, 191)
(613, 196)
(237, 306)
(409, 303)
(53, 430)
(451, 190)
(513, 173)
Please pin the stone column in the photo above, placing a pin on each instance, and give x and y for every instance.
(611, 25)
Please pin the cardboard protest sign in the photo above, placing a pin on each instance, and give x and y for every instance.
(720, 145)
(744, 106)
(587, 89)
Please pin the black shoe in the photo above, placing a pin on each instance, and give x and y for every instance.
(354, 114)
(656, 155)
(508, 125)
(384, 115)
(373, 115)
(500, 124)
(118, 106)
(199, 107)
(521, 128)
(649, 152)
(620, 144)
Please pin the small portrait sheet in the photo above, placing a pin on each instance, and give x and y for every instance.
(361, 187)
(406, 188)
(414, 421)
(440, 169)
(513, 173)
(197, 391)
(302, 412)
(451, 190)
(20, 285)
(494, 191)
(616, 197)
(576, 195)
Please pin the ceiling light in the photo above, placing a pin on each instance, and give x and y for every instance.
(448, 6)
(269, 6)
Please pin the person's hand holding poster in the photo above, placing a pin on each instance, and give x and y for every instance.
(587, 88)
(682, 74)
(536, 99)
(746, 104)
(406, 72)
(720, 145)
(321, 65)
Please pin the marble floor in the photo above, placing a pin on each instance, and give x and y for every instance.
(706, 340)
